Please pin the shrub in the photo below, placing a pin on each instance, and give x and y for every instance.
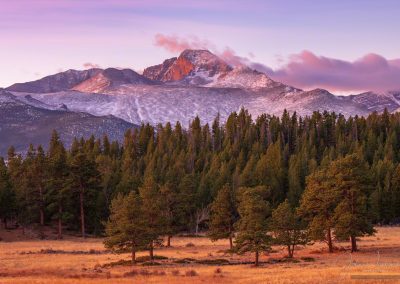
(307, 259)
(191, 273)
(175, 272)
(218, 261)
(185, 260)
(188, 245)
(159, 273)
(131, 273)
(145, 258)
(151, 263)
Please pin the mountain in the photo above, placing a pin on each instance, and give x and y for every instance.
(192, 67)
(22, 124)
(196, 82)
(245, 78)
(55, 83)
(378, 102)
(157, 72)
(111, 78)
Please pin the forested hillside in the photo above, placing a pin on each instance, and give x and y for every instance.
(323, 165)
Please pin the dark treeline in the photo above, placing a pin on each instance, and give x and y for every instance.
(191, 173)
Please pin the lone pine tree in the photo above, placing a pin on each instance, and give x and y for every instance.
(351, 180)
(222, 217)
(289, 230)
(317, 206)
(252, 227)
(126, 229)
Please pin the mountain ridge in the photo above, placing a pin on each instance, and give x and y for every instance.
(197, 82)
(22, 123)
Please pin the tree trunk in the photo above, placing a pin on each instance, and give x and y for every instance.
(59, 222)
(230, 243)
(41, 217)
(257, 256)
(133, 256)
(41, 210)
(5, 223)
(82, 213)
(329, 239)
(353, 244)
(290, 253)
(169, 241)
(151, 252)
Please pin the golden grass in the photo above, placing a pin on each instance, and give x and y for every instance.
(379, 256)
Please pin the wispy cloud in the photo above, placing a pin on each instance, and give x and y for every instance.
(174, 44)
(89, 65)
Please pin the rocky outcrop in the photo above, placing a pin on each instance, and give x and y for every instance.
(157, 72)
(111, 77)
(191, 67)
(55, 83)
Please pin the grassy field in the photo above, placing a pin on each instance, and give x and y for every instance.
(190, 260)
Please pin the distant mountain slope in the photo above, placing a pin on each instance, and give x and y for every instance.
(378, 102)
(55, 83)
(21, 124)
(171, 103)
(109, 78)
(245, 78)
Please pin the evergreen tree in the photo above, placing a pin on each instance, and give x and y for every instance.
(317, 206)
(252, 227)
(7, 195)
(289, 230)
(153, 207)
(170, 208)
(351, 217)
(395, 194)
(126, 229)
(83, 180)
(222, 217)
(57, 192)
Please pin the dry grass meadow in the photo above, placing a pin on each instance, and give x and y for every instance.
(197, 260)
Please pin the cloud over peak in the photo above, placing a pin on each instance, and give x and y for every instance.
(176, 44)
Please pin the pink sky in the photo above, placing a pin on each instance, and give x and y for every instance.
(339, 45)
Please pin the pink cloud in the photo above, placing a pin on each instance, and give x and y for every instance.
(370, 72)
(176, 44)
(89, 65)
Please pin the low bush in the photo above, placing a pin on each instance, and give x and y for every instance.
(191, 273)
(307, 259)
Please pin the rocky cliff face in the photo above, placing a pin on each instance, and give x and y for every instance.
(194, 67)
(157, 72)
